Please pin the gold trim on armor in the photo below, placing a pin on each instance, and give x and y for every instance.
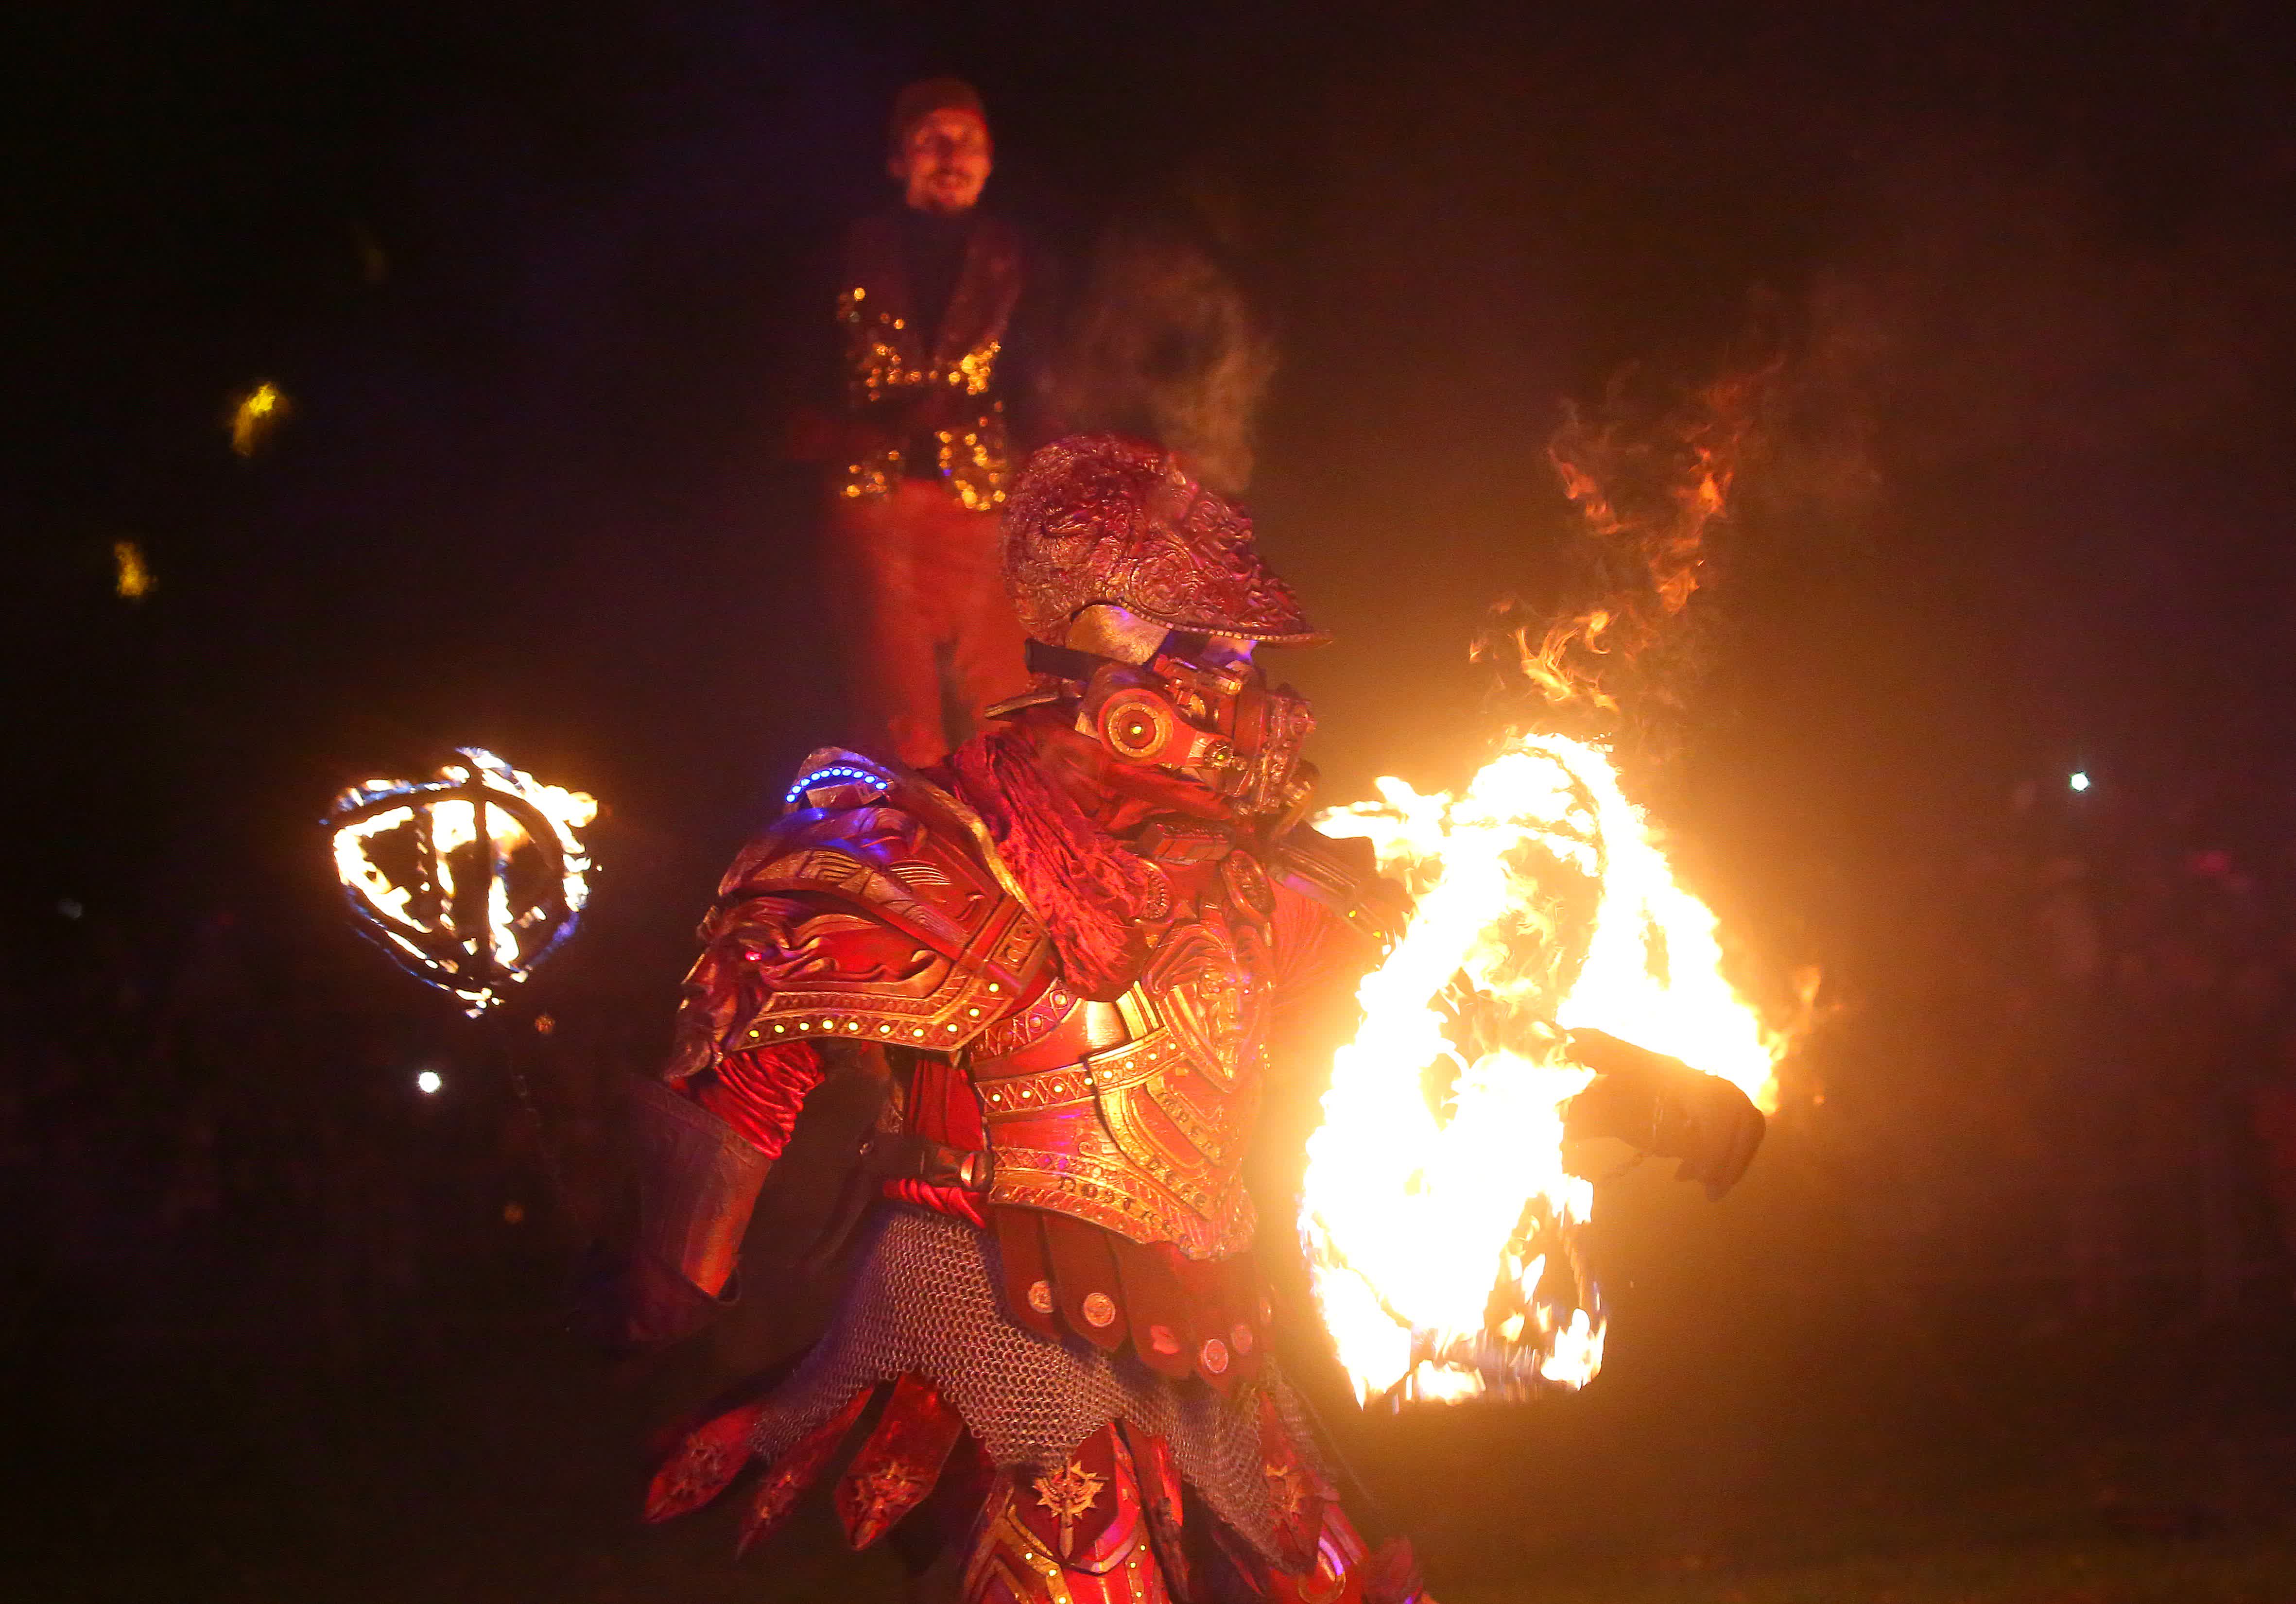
(1018, 1095)
(966, 1000)
(1110, 1192)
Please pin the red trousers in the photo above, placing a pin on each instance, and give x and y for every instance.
(917, 588)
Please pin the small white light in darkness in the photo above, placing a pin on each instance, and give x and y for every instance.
(2079, 780)
(428, 1082)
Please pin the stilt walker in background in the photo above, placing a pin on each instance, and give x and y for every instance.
(932, 293)
(1065, 952)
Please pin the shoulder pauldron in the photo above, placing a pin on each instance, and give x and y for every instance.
(875, 911)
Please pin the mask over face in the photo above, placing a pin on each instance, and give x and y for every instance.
(1198, 706)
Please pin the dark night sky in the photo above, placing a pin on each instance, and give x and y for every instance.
(533, 280)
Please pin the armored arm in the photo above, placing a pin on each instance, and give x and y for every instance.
(1662, 1106)
(865, 916)
(701, 1141)
(697, 1180)
(1337, 916)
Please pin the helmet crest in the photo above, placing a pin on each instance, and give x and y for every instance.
(1099, 519)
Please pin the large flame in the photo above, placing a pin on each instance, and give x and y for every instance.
(471, 917)
(1439, 1219)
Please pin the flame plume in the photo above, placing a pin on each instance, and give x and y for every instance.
(1649, 490)
(1442, 1244)
(1440, 1220)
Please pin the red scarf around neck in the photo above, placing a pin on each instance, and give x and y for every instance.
(1083, 882)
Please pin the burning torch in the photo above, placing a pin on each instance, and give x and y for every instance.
(1566, 986)
(470, 881)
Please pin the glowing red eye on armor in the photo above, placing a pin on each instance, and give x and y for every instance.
(1137, 726)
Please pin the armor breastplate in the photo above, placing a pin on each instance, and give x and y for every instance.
(1134, 1114)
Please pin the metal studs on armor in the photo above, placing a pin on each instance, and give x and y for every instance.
(1040, 1296)
(1156, 896)
(1213, 1357)
(1241, 1337)
(1100, 1313)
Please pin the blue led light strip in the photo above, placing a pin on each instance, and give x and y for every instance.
(830, 775)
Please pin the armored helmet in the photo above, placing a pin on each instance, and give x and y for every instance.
(1106, 519)
(1143, 595)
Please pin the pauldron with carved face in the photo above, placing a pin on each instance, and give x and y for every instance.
(872, 913)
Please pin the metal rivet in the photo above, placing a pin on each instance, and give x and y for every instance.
(1099, 1310)
(1213, 1357)
(884, 1030)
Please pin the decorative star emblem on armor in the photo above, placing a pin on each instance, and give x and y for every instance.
(699, 1471)
(883, 1492)
(1068, 1492)
(1287, 1488)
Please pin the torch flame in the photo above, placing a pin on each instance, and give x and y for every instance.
(469, 921)
(1441, 1242)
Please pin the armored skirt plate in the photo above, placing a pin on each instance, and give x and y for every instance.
(1133, 1139)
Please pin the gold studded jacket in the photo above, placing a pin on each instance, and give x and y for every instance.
(902, 389)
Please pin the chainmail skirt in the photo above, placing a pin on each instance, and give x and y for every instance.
(923, 1297)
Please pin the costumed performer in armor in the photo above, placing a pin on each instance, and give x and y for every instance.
(1066, 952)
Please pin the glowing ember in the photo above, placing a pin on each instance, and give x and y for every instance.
(253, 416)
(469, 881)
(1439, 1219)
(131, 574)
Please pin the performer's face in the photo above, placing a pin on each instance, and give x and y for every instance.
(943, 162)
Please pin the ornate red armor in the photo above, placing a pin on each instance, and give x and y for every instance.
(880, 913)
(1069, 965)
